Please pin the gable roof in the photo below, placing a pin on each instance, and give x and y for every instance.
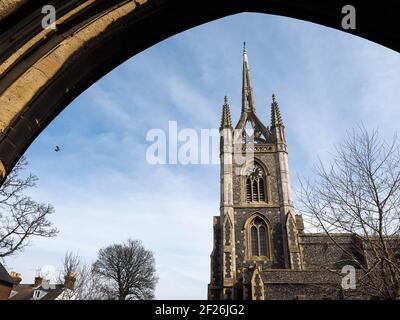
(54, 293)
(25, 292)
(4, 276)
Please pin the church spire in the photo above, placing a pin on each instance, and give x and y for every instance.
(276, 119)
(248, 103)
(226, 120)
(248, 115)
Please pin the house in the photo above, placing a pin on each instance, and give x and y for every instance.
(12, 289)
(6, 283)
(42, 289)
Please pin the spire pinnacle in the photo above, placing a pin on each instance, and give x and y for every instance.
(276, 119)
(226, 120)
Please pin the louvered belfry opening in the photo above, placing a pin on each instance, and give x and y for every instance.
(261, 189)
(248, 190)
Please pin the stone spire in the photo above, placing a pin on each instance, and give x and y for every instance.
(276, 119)
(248, 102)
(248, 115)
(226, 120)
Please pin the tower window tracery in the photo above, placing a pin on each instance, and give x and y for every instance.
(255, 184)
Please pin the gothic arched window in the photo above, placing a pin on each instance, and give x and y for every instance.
(255, 184)
(259, 238)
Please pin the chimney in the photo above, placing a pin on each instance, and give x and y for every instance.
(70, 280)
(38, 281)
(16, 277)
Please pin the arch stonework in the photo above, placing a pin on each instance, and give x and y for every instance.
(267, 180)
(42, 71)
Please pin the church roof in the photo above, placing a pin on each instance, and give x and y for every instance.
(289, 276)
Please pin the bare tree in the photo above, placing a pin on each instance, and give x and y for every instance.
(20, 216)
(358, 193)
(87, 284)
(127, 271)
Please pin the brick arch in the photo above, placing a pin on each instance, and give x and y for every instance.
(42, 71)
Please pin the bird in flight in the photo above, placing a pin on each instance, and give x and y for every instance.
(57, 149)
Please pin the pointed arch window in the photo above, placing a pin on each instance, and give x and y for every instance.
(259, 238)
(255, 184)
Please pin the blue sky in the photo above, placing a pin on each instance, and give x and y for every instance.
(104, 191)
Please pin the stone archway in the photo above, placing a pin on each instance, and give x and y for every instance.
(42, 71)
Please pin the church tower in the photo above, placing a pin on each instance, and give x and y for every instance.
(257, 229)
